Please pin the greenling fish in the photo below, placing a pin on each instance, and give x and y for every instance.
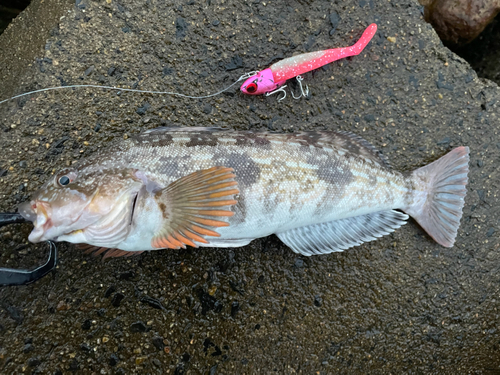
(319, 192)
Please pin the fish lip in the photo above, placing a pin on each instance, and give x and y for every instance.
(39, 231)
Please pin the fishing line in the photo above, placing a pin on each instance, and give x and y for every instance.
(243, 77)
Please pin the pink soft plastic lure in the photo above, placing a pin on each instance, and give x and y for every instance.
(271, 79)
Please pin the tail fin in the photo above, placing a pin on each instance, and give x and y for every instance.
(439, 212)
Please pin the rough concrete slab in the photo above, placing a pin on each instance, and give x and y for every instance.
(400, 304)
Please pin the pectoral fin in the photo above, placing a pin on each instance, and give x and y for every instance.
(194, 206)
(340, 235)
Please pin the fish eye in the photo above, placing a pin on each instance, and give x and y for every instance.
(252, 87)
(63, 180)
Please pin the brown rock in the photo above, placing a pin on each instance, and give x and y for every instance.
(460, 21)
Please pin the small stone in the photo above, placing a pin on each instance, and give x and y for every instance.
(34, 361)
(156, 362)
(207, 108)
(140, 360)
(444, 141)
(113, 359)
(89, 70)
(215, 23)
(142, 110)
(62, 306)
(318, 301)
(369, 118)
(109, 291)
(480, 163)
(158, 343)
(86, 325)
(235, 307)
(391, 39)
(127, 275)
(334, 20)
(181, 27)
(153, 302)
(490, 232)
(139, 326)
(212, 290)
(236, 62)
(74, 365)
(28, 348)
(117, 299)
(299, 263)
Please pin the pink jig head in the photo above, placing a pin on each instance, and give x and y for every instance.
(260, 83)
(272, 79)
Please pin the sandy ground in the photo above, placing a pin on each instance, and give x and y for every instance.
(400, 304)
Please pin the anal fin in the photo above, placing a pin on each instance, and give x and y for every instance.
(340, 235)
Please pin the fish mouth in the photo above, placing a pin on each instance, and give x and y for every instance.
(38, 213)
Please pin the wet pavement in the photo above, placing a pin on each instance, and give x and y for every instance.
(400, 304)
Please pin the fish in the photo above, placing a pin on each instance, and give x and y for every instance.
(319, 192)
(272, 79)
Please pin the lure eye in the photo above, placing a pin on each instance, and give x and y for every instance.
(252, 87)
(64, 180)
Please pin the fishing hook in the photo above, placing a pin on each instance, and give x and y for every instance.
(11, 276)
(303, 93)
(281, 89)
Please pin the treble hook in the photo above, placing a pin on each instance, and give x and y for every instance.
(303, 93)
(281, 89)
(11, 276)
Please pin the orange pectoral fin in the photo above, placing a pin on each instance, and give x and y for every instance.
(196, 204)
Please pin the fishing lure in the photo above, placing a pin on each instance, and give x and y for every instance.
(272, 80)
(268, 81)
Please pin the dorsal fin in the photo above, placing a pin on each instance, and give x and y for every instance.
(354, 143)
(172, 129)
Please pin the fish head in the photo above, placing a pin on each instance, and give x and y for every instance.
(80, 206)
(259, 83)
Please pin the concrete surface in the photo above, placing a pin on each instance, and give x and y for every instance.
(400, 304)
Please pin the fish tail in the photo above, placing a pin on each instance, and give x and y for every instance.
(438, 208)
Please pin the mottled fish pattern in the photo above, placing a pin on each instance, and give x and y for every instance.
(318, 191)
